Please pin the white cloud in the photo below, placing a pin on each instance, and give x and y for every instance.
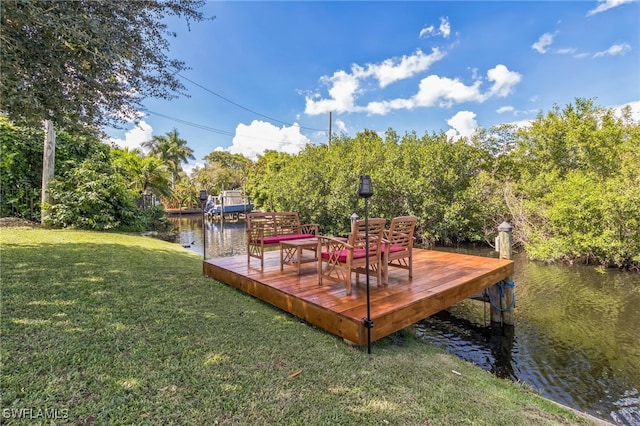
(259, 136)
(543, 43)
(446, 91)
(522, 124)
(444, 29)
(504, 109)
(635, 109)
(344, 88)
(426, 31)
(434, 90)
(463, 125)
(133, 138)
(607, 4)
(566, 51)
(503, 80)
(189, 168)
(392, 70)
(341, 125)
(614, 50)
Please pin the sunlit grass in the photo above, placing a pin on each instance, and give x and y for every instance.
(120, 329)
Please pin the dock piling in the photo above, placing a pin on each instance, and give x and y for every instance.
(504, 314)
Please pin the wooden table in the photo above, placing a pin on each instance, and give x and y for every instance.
(291, 252)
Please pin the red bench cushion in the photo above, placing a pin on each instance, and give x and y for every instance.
(275, 239)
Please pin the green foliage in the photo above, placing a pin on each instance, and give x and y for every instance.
(85, 64)
(585, 219)
(264, 179)
(575, 197)
(222, 170)
(226, 160)
(92, 196)
(431, 177)
(171, 150)
(20, 171)
(21, 165)
(185, 194)
(151, 219)
(568, 184)
(143, 173)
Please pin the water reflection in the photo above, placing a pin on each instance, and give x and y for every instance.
(222, 239)
(576, 334)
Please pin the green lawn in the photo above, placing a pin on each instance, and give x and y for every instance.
(115, 329)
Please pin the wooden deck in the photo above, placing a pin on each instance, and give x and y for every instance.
(440, 279)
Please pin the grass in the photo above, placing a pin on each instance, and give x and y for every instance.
(109, 328)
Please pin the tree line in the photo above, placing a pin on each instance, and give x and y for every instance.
(567, 182)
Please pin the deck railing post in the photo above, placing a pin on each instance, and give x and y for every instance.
(354, 217)
(505, 315)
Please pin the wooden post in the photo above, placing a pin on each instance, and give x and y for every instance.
(507, 295)
(502, 313)
(496, 314)
(222, 206)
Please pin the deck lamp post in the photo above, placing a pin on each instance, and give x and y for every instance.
(203, 200)
(365, 190)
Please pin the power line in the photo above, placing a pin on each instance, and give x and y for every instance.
(243, 107)
(207, 128)
(196, 125)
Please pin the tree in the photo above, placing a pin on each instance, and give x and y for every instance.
(92, 195)
(172, 151)
(223, 170)
(143, 173)
(236, 162)
(576, 176)
(80, 65)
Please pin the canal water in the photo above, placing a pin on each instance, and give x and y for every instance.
(576, 339)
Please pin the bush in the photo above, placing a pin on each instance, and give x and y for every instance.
(92, 196)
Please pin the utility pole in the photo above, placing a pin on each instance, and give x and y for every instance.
(329, 142)
(48, 163)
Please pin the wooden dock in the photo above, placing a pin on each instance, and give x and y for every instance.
(440, 279)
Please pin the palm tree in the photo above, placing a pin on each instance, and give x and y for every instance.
(172, 151)
(146, 174)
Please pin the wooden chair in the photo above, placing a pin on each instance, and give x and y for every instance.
(338, 258)
(397, 247)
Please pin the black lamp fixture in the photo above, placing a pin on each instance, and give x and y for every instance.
(203, 200)
(365, 190)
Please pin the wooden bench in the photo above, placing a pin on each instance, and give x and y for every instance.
(270, 228)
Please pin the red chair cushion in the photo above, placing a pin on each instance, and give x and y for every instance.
(392, 248)
(342, 255)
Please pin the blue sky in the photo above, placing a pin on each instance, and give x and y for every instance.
(265, 75)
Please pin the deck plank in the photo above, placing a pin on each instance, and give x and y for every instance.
(440, 279)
